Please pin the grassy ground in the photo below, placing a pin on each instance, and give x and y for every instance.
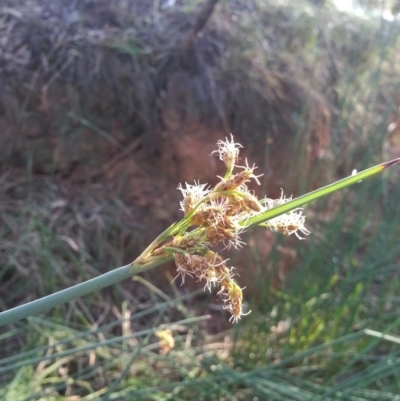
(330, 332)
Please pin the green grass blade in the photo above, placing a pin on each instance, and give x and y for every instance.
(319, 193)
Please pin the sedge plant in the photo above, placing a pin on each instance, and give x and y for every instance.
(212, 216)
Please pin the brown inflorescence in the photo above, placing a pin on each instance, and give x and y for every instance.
(218, 215)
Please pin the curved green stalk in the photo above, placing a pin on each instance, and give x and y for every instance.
(79, 290)
(319, 193)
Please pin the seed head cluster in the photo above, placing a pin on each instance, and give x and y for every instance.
(218, 216)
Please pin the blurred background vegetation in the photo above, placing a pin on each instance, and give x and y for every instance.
(107, 105)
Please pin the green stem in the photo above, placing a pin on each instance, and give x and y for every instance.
(319, 193)
(228, 172)
(79, 290)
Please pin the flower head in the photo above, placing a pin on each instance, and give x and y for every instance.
(233, 297)
(192, 194)
(238, 180)
(288, 223)
(228, 152)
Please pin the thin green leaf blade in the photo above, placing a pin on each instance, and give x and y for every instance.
(319, 193)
